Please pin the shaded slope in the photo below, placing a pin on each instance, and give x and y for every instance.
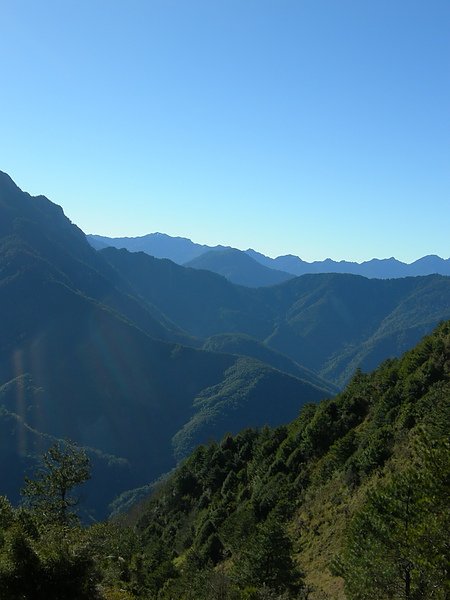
(251, 392)
(33, 229)
(247, 346)
(238, 268)
(326, 318)
(106, 384)
(200, 302)
(76, 331)
(21, 447)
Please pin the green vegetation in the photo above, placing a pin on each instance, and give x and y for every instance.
(49, 493)
(349, 501)
(43, 550)
(103, 348)
(244, 345)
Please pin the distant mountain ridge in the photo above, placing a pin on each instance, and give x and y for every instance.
(238, 267)
(185, 252)
(160, 245)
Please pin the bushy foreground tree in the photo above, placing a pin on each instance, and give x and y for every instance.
(50, 493)
(44, 554)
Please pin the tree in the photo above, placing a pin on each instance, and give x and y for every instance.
(397, 545)
(44, 559)
(64, 467)
(267, 559)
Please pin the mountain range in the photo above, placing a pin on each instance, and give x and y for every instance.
(84, 356)
(328, 323)
(139, 359)
(236, 267)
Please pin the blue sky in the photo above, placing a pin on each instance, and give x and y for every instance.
(314, 127)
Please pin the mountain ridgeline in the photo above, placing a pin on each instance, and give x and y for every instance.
(236, 267)
(347, 502)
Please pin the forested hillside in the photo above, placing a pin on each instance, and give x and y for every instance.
(139, 359)
(348, 501)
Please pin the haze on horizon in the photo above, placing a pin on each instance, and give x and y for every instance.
(311, 127)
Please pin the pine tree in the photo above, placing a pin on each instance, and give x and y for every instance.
(49, 493)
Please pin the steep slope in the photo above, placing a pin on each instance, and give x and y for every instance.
(200, 302)
(354, 490)
(21, 445)
(35, 234)
(327, 318)
(238, 268)
(75, 330)
(250, 392)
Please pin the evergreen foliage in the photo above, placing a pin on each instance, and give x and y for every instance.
(50, 493)
(354, 491)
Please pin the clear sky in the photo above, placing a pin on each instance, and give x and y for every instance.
(314, 127)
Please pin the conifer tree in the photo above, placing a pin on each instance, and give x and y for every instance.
(50, 493)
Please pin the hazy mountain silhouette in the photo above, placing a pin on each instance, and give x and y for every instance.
(159, 245)
(376, 268)
(99, 347)
(183, 250)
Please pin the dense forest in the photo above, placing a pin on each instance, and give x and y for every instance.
(348, 501)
